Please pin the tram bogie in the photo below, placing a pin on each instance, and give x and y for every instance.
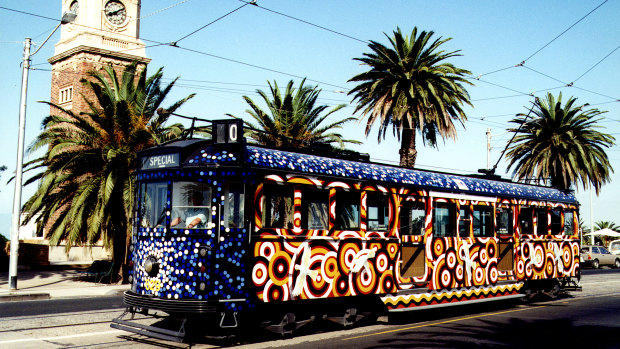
(231, 231)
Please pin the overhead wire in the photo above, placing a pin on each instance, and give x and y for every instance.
(255, 3)
(544, 46)
(208, 24)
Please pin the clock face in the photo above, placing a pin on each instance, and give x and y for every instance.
(74, 7)
(115, 12)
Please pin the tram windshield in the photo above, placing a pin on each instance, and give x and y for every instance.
(233, 205)
(191, 206)
(152, 205)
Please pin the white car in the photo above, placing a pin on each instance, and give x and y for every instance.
(614, 247)
(597, 256)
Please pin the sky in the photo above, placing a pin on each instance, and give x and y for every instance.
(560, 41)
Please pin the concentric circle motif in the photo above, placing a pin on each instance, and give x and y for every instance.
(459, 273)
(274, 293)
(567, 256)
(329, 267)
(529, 271)
(365, 280)
(387, 283)
(382, 262)
(317, 288)
(520, 269)
(279, 268)
(492, 274)
(538, 259)
(267, 249)
(483, 257)
(491, 249)
(259, 273)
(341, 286)
(392, 250)
(439, 247)
(550, 266)
(451, 259)
(346, 256)
(479, 276)
(445, 278)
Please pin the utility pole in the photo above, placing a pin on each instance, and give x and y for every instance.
(67, 17)
(17, 196)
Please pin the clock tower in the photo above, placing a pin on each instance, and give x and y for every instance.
(104, 32)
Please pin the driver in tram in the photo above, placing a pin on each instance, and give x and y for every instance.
(193, 216)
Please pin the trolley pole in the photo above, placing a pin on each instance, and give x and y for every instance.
(488, 148)
(17, 196)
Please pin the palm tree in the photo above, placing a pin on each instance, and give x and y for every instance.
(605, 240)
(606, 225)
(560, 143)
(86, 187)
(293, 120)
(410, 87)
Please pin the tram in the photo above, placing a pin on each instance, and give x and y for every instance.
(224, 229)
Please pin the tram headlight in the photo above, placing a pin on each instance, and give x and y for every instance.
(151, 266)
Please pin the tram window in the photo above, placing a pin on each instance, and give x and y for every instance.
(314, 209)
(278, 207)
(569, 222)
(152, 211)
(525, 220)
(503, 219)
(378, 212)
(556, 221)
(444, 217)
(483, 221)
(464, 221)
(233, 205)
(412, 217)
(542, 222)
(191, 205)
(347, 210)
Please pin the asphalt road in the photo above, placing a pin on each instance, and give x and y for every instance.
(58, 306)
(588, 319)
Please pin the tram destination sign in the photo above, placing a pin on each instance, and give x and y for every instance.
(160, 161)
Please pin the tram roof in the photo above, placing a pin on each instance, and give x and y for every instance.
(313, 165)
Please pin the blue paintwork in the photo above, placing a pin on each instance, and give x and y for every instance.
(267, 159)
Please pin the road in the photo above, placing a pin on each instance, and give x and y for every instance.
(588, 319)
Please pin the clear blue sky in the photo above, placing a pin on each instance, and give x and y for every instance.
(491, 35)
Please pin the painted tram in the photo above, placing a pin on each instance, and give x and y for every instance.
(224, 229)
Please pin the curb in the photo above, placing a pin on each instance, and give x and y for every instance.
(23, 297)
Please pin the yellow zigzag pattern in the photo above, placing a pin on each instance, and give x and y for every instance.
(412, 300)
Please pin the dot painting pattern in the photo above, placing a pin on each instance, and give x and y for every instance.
(316, 165)
(200, 264)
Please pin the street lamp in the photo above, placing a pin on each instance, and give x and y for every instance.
(67, 17)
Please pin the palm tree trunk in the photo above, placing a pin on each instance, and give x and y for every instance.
(408, 152)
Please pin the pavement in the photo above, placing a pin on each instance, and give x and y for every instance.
(55, 281)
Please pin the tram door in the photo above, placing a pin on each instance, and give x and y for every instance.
(413, 255)
(505, 234)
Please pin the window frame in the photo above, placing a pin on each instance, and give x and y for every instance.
(465, 222)
(310, 196)
(354, 198)
(271, 191)
(485, 229)
(380, 201)
(510, 230)
(450, 227)
(409, 229)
